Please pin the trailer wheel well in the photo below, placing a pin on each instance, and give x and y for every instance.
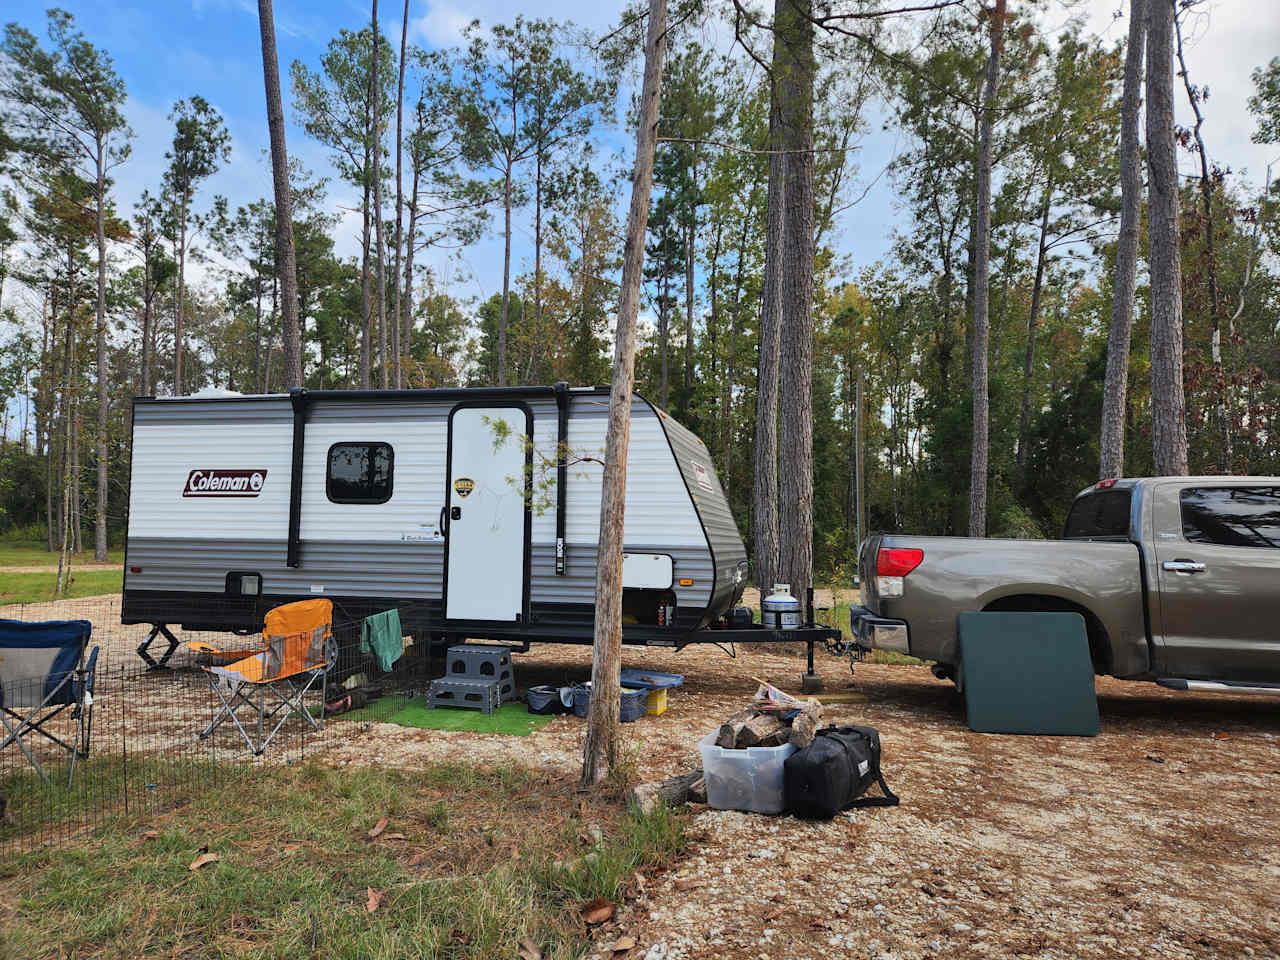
(1099, 641)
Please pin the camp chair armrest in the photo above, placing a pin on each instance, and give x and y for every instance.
(87, 674)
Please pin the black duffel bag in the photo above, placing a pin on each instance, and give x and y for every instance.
(833, 773)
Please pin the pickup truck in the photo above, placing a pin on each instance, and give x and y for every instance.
(1177, 578)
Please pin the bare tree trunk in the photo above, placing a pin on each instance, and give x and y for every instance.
(1033, 323)
(765, 489)
(146, 323)
(66, 542)
(600, 749)
(286, 260)
(795, 393)
(691, 231)
(178, 303)
(377, 206)
(407, 343)
(1220, 387)
(982, 286)
(366, 304)
(100, 447)
(1111, 462)
(664, 332)
(506, 278)
(400, 349)
(1168, 404)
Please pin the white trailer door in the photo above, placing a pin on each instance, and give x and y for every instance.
(486, 502)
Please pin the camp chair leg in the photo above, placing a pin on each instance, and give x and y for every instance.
(156, 629)
(228, 711)
(22, 744)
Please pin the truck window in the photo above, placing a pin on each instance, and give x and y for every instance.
(1232, 516)
(1103, 515)
(359, 472)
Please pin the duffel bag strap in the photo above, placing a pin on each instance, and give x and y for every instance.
(890, 799)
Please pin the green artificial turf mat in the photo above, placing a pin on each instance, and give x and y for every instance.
(512, 719)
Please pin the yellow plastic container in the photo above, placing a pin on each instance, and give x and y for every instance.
(657, 702)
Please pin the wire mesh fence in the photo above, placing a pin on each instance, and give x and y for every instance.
(133, 740)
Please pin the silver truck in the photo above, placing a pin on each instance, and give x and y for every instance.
(1177, 578)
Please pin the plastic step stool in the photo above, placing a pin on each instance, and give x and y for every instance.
(482, 695)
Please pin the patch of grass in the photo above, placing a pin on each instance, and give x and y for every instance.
(471, 861)
(32, 553)
(38, 587)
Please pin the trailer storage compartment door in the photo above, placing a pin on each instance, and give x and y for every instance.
(488, 514)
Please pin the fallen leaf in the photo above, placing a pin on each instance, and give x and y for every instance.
(419, 858)
(773, 914)
(818, 923)
(597, 911)
(1221, 736)
(528, 950)
(378, 828)
(203, 860)
(394, 836)
(150, 834)
(375, 899)
(623, 944)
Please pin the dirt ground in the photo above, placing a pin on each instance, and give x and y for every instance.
(1155, 839)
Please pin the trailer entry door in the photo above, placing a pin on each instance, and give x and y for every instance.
(487, 545)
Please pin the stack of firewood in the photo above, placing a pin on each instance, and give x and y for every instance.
(764, 725)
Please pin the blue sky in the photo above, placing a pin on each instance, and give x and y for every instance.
(169, 50)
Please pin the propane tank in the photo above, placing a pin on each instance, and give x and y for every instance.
(780, 610)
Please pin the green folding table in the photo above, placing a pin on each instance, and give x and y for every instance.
(1028, 673)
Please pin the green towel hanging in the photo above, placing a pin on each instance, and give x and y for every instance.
(381, 635)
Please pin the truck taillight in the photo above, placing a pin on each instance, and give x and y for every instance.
(897, 561)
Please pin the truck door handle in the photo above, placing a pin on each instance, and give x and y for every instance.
(455, 513)
(1184, 566)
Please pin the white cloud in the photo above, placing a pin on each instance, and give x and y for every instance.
(441, 25)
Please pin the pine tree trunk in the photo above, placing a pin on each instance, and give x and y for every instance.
(146, 323)
(377, 206)
(982, 286)
(1168, 403)
(600, 749)
(795, 392)
(1220, 387)
(506, 277)
(100, 448)
(691, 230)
(286, 258)
(1033, 324)
(1116, 387)
(366, 303)
(177, 307)
(401, 346)
(764, 512)
(406, 345)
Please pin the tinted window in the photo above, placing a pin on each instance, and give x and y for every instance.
(1101, 514)
(1232, 516)
(360, 472)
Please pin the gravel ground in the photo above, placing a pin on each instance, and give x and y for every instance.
(1155, 839)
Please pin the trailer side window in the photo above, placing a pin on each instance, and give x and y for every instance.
(359, 472)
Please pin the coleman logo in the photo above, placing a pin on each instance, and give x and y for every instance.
(463, 486)
(224, 483)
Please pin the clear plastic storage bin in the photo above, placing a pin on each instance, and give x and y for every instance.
(749, 779)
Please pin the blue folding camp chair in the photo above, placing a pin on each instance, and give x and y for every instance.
(43, 672)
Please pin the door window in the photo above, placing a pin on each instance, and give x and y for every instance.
(1232, 516)
(359, 472)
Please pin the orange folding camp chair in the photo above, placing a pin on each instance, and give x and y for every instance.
(296, 653)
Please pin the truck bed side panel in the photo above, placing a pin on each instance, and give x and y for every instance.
(960, 575)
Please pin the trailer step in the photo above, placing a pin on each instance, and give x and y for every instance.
(482, 695)
(1220, 686)
(481, 661)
